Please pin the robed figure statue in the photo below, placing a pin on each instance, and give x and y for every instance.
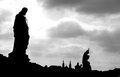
(21, 38)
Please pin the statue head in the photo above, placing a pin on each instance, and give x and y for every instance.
(23, 11)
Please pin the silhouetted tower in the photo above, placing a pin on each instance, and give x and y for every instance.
(21, 38)
(85, 62)
(63, 64)
(70, 65)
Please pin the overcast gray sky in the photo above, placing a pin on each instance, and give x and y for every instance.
(65, 29)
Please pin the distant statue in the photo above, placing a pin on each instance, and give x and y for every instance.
(21, 35)
(85, 62)
(78, 67)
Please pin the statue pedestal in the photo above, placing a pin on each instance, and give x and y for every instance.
(18, 58)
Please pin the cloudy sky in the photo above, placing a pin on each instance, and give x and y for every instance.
(65, 29)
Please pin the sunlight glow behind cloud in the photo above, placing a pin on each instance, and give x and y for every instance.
(52, 39)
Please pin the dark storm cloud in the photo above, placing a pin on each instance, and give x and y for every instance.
(100, 7)
(67, 30)
(86, 6)
(61, 3)
(109, 41)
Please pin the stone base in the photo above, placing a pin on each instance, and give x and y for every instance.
(18, 58)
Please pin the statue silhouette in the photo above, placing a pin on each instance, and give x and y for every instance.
(21, 36)
(85, 62)
(18, 62)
